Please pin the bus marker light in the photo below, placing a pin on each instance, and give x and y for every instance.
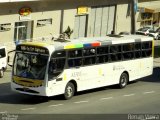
(95, 44)
(87, 45)
(71, 46)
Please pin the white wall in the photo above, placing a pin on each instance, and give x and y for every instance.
(49, 29)
(123, 22)
(8, 36)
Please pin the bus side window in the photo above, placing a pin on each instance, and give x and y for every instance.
(128, 51)
(57, 63)
(102, 54)
(115, 53)
(56, 66)
(89, 56)
(75, 53)
(102, 50)
(89, 52)
(89, 60)
(74, 58)
(75, 62)
(146, 49)
(71, 63)
(52, 66)
(137, 50)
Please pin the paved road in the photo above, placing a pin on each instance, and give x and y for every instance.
(137, 98)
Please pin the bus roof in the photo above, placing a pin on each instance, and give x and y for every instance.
(89, 41)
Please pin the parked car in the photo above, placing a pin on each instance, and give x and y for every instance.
(3, 60)
(144, 31)
(158, 31)
(153, 34)
(147, 31)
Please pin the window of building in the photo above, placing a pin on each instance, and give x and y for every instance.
(5, 27)
(44, 22)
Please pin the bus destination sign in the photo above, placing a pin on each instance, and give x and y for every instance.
(35, 49)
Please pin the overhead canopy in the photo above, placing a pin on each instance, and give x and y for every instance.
(152, 6)
(146, 10)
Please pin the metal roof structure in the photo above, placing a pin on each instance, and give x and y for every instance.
(153, 5)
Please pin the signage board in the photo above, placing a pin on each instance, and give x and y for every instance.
(29, 48)
(82, 10)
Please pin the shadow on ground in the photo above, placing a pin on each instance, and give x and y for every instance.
(9, 97)
(155, 77)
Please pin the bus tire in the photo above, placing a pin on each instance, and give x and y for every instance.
(69, 91)
(123, 80)
(1, 73)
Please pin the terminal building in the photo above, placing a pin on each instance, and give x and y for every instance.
(39, 19)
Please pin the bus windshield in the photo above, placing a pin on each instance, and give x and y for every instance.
(31, 66)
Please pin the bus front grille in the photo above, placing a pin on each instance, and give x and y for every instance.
(27, 85)
(27, 90)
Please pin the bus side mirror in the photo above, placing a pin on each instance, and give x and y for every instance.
(8, 59)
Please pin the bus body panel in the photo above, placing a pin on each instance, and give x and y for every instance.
(101, 75)
(90, 76)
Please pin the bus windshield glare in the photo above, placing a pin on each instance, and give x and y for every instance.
(32, 66)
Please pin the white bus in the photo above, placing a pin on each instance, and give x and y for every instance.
(3, 60)
(66, 67)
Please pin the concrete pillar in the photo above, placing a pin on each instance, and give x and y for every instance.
(133, 24)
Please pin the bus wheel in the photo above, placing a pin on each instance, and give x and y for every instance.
(1, 73)
(69, 91)
(123, 80)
